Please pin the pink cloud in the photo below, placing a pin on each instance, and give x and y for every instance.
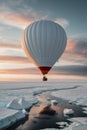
(17, 19)
(19, 71)
(76, 51)
(27, 17)
(14, 59)
(8, 43)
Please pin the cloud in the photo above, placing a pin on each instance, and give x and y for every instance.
(14, 59)
(21, 13)
(76, 51)
(76, 70)
(73, 70)
(17, 13)
(14, 19)
(63, 22)
(20, 71)
(12, 52)
(81, 48)
(8, 43)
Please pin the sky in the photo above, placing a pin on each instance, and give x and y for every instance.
(15, 15)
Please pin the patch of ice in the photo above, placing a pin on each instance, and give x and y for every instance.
(85, 108)
(54, 102)
(21, 103)
(85, 112)
(81, 120)
(25, 112)
(2, 104)
(80, 127)
(78, 124)
(8, 117)
(19, 115)
(76, 95)
(14, 104)
(67, 111)
(50, 129)
(82, 101)
(62, 124)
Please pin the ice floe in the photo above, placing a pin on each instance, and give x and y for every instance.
(54, 102)
(67, 111)
(8, 117)
(76, 95)
(21, 103)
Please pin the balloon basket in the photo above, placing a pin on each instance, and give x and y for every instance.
(44, 78)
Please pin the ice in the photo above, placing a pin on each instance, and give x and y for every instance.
(62, 124)
(14, 104)
(54, 102)
(50, 129)
(75, 92)
(20, 104)
(25, 112)
(78, 124)
(76, 95)
(85, 112)
(73, 127)
(67, 111)
(2, 104)
(80, 127)
(79, 120)
(8, 117)
(85, 108)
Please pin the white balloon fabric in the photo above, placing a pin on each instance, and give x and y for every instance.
(44, 42)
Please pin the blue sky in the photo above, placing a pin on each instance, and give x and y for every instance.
(15, 15)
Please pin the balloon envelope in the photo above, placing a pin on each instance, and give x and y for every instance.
(44, 42)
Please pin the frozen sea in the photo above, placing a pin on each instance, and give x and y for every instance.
(73, 91)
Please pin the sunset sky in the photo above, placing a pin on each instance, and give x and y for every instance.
(15, 15)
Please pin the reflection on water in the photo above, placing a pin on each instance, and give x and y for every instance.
(38, 120)
(46, 115)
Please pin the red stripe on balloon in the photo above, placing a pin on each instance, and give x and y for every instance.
(44, 69)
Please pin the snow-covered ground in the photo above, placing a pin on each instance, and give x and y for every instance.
(73, 91)
(77, 95)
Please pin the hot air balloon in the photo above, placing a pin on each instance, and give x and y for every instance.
(44, 42)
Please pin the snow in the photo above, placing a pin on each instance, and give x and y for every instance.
(54, 102)
(69, 128)
(67, 111)
(80, 127)
(62, 124)
(20, 104)
(77, 95)
(25, 112)
(75, 125)
(78, 124)
(8, 117)
(50, 129)
(19, 96)
(85, 110)
(14, 104)
(80, 120)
